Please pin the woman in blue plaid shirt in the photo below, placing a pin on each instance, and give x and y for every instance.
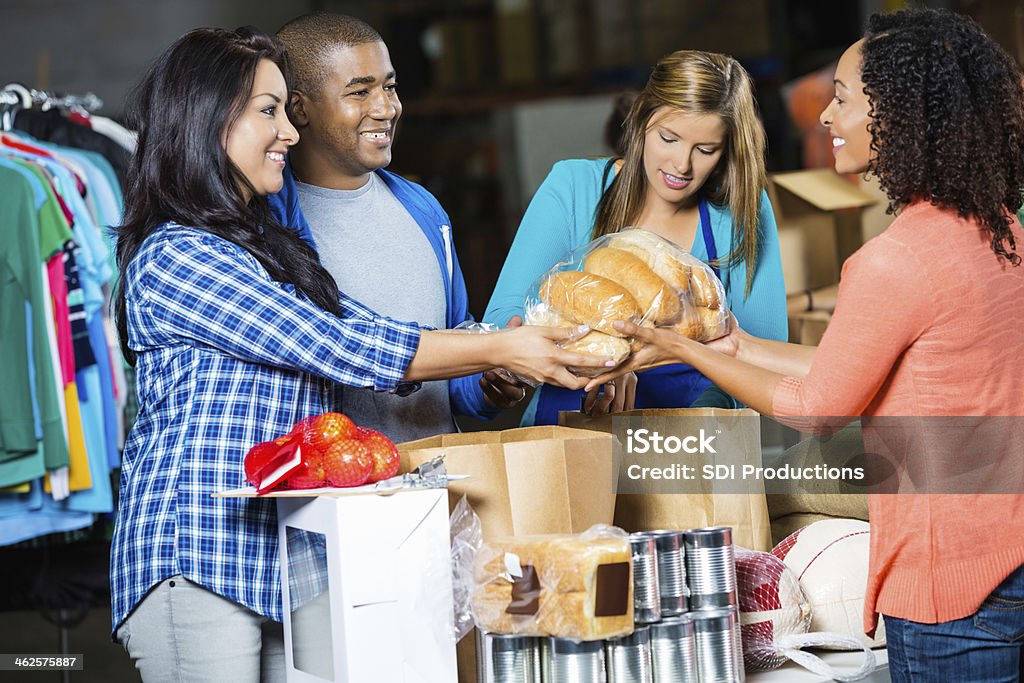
(236, 332)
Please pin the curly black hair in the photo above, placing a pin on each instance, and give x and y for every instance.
(947, 118)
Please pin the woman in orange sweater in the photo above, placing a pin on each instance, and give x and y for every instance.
(927, 326)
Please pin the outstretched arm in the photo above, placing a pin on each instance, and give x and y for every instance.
(527, 351)
(753, 385)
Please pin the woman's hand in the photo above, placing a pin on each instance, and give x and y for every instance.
(730, 343)
(658, 347)
(619, 395)
(533, 352)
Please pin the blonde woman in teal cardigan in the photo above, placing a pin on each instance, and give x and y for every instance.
(693, 172)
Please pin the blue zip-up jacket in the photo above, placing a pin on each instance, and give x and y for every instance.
(466, 396)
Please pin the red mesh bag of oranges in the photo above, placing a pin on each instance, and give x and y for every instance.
(322, 450)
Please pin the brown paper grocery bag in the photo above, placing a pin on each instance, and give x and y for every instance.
(746, 513)
(533, 480)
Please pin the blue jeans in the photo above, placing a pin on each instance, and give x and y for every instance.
(986, 647)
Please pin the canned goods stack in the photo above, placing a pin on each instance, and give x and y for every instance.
(711, 568)
(646, 579)
(674, 650)
(507, 659)
(669, 556)
(686, 613)
(573, 662)
(628, 658)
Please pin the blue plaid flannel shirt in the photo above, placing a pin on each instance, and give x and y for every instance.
(227, 358)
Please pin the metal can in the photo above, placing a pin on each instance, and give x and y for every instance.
(628, 658)
(711, 567)
(674, 650)
(576, 662)
(719, 653)
(507, 659)
(671, 571)
(646, 591)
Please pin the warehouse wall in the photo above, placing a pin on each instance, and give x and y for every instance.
(103, 46)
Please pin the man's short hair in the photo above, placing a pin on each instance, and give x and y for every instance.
(312, 38)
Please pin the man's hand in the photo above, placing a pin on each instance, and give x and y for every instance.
(501, 391)
(619, 395)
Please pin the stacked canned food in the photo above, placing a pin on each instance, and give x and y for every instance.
(687, 623)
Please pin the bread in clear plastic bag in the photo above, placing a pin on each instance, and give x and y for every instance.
(571, 586)
(588, 299)
(631, 275)
(473, 327)
(705, 315)
(594, 343)
(659, 302)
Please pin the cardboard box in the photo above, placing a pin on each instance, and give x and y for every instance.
(808, 327)
(826, 209)
(366, 584)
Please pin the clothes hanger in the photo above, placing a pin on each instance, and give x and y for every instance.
(13, 97)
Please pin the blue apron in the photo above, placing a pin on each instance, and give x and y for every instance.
(668, 386)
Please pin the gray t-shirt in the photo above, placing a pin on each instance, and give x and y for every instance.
(380, 257)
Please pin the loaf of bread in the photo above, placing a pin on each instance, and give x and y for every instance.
(596, 343)
(704, 287)
(703, 324)
(690, 326)
(715, 322)
(593, 343)
(658, 301)
(657, 253)
(563, 563)
(563, 615)
(583, 587)
(588, 299)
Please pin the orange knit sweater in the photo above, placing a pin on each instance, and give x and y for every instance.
(928, 322)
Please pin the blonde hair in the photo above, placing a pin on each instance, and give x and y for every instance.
(696, 82)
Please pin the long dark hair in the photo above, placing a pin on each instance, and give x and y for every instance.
(188, 99)
(947, 118)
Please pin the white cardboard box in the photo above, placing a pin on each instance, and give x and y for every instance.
(384, 613)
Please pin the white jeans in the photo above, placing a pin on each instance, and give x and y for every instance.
(183, 632)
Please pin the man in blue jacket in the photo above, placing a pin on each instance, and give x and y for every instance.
(386, 240)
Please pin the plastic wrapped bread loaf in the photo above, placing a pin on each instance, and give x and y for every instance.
(563, 563)
(660, 256)
(588, 299)
(593, 343)
(704, 287)
(658, 300)
(566, 586)
(669, 287)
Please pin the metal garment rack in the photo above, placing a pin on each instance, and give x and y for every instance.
(88, 102)
(15, 96)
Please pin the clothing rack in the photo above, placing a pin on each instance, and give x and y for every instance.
(15, 96)
(46, 100)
